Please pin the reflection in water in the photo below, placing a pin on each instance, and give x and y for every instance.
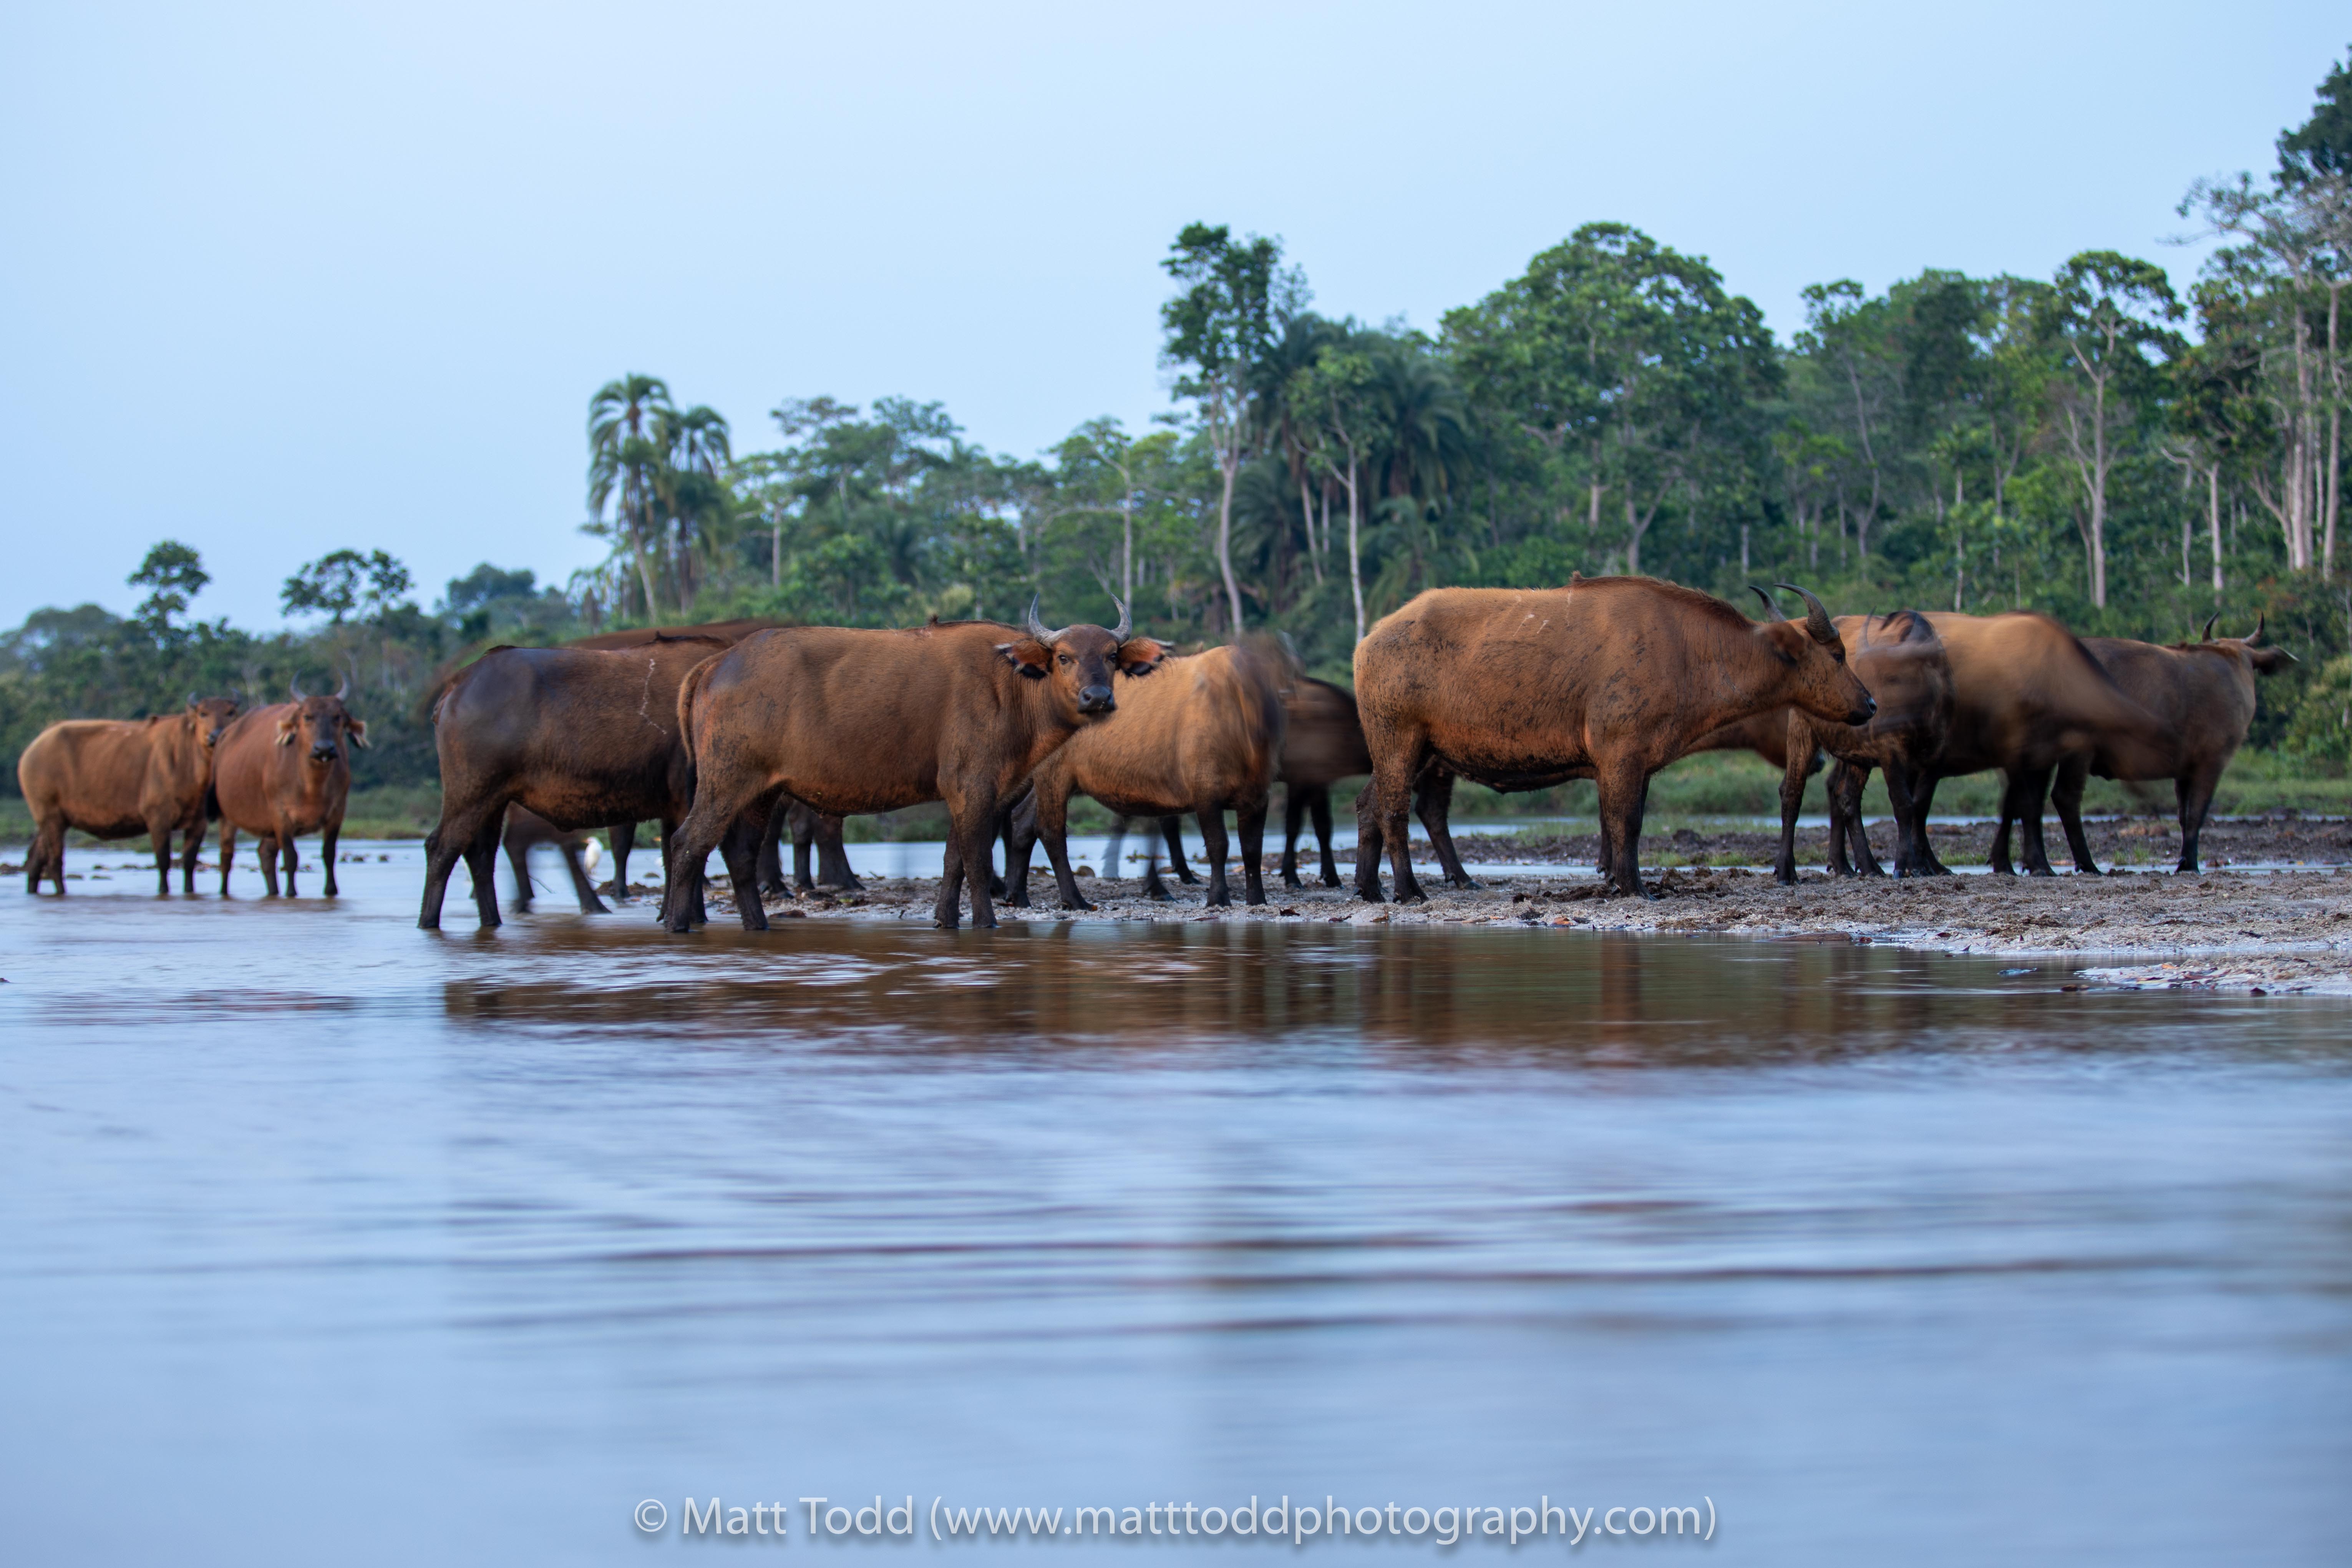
(480, 1238)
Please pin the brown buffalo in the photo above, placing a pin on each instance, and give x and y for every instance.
(1900, 659)
(525, 831)
(114, 778)
(1322, 742)
(1206, 737)
(2202, 695)
(583, 737)
(852, 721)
(283, 771)
(1609, 679)
(2025, 694)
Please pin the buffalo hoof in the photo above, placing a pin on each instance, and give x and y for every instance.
(1331, 880)
(1290, 879)
(1257, 896)
(1156, 893)
(1220, 900)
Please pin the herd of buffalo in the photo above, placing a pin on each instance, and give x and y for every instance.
(732, 735)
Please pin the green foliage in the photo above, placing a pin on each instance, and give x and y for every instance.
(2321, 728)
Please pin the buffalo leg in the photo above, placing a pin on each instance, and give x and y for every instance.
(739, 850)
(1802, 753)
(1020, 835)
(291, 850)
(1432, 802)
(622, 838)
(803, 826)
(1857, 829)
(1368, 845)
(1249, 816)
(327, 841)
(974, 820)
(2066, 797)
(2031, 788)
(1392, 778)
(191, 850)
(267, 844)
(833, 868)
(1624, 792)
(1908, 830)
(1318, 803)
(1294, 817)
(159, 834)
(1841, 864)
(1052, 825)
(1923, 806)
(1213, 840)
(482, 865)
(772, 848)
(685, 846)
(228, 854)
(1172, 829)
(1999, 855)
(448, 843)
(2195, 795)
(582, 887)
(1153, 888)
(519, 856)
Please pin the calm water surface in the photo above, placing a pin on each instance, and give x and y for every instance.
(329, 1240)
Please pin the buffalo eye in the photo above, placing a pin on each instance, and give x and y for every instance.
(1066, 659)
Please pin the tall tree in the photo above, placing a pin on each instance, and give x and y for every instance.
(2107, 316)
(1237, 296)
(174, 575)
(625, 462)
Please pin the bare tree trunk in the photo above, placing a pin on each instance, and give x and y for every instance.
(1307, 520)
(1231, 464)
(2213, 521)
(1355, 558)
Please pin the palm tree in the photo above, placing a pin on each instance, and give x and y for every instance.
(625, 462)
(693, 448)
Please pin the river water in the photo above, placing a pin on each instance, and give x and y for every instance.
(330, 1240)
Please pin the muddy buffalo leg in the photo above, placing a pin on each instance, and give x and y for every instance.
(444, 847)
(833, 867)
(1857, 828)
(191, 850)
(1213, 840)
(582, 887)
(1624, 792)
(1172, 829)
(1052, 825)
(228, 854)
(2066, 795)
(266, 845)
(1319, 804)
(1393, 777)
(327, 841)
(1153, 888)
(482, 865)
(1020, 835)
(622, 838)
(519, 856)
(1249, 816)
(1802, 753)
(977, 832)
(1368, 845)
(772, 848)
(1433, 803)
(803, 826)
(1910, 834)
(739, 851)
(685, 846)
(290, 850)
(1840, 864)
(2031, 790)
(2195, 795)
(159, 834)
(1999, 853)
(1923, 806)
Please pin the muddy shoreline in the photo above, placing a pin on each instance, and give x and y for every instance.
(2284, 931)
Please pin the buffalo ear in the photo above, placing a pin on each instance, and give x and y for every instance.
(2270, 660)
(285, 731)
(1030, 657)
(1140, 656)
(358, 730)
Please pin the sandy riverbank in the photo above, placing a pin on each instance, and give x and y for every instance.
(2283, 931)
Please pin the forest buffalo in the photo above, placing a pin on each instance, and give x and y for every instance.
(2025, 694)
(114, 778)
(856, 720)
(583, 737)
(1206, 737)
(1609, 679)
(2202, 695)
(283, 771)
(525, 831)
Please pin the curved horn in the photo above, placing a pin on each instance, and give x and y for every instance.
(2256, 635)
(192, 699)
(1126, 622)
(2207, 634)
(296, 687)
(1771, 610)
(1038, 628)
(1817, 614)
(345, 688)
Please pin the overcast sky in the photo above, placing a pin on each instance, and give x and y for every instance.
(276, 279)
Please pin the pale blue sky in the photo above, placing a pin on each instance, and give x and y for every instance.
(279, 278)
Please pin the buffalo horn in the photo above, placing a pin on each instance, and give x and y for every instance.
(1037, 629)
(2207, 634)
(296, 687)
(1126, 622)
(192, 699)
(345, 688)
(1771, 610)
(1817, 616)
(2256, 635)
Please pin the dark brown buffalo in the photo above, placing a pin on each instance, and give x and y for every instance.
(283, 771)
(852, 721)
(1609, 679)
(2202, 695)
(1900, 659)
(114, 778)
(583, 737)
(1206, 737)
(1322, 742)
(525, 831)
(2025, 694)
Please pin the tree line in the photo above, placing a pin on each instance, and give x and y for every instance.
(2091, 444)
